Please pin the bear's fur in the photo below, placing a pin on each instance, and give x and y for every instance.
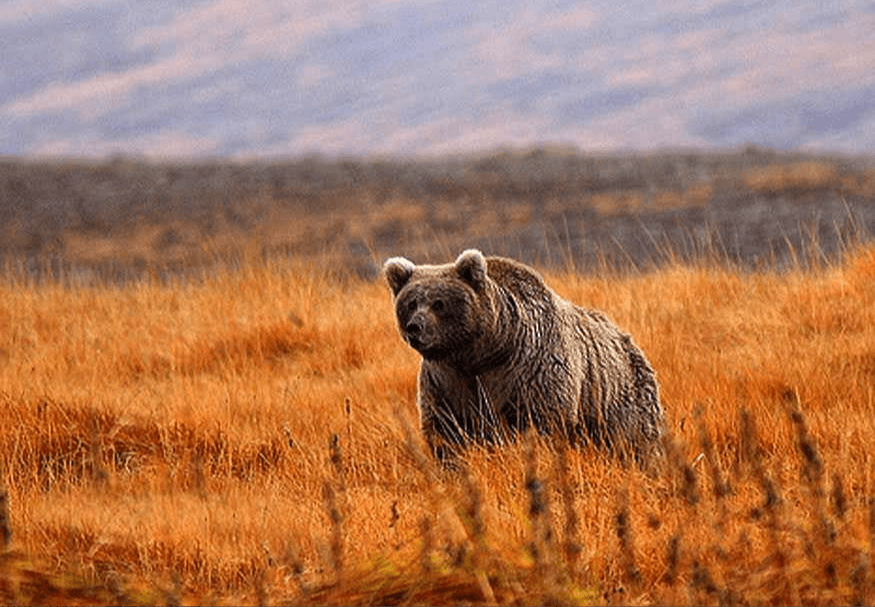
(502, 352)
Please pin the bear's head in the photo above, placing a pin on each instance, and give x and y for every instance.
(443, 311)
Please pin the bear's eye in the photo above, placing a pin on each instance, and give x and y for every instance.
(438, 305)
(411, 305)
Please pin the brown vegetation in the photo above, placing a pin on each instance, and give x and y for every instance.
(250, 437)
(551, 208)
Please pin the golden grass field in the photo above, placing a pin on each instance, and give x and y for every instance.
(251, 437)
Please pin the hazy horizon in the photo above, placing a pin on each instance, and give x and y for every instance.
(264, 78)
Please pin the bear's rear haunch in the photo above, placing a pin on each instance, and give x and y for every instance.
(501, 352)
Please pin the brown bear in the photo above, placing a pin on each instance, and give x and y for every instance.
(501, 352)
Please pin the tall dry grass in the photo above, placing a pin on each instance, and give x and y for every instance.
(251, 437)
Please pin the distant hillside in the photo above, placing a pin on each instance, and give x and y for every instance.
(271, 78)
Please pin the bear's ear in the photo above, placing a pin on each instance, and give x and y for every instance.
(471, 267)
(398, 271)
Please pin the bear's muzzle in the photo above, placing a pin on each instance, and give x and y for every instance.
(419, 333)
(415, 332)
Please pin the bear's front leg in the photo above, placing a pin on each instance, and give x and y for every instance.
(443, 404)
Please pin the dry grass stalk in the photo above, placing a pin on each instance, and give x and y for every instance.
(334, 493)
(572, 547)
(541, 542)
(871, 505)
(771, 507)
(625, 538)
(673, 557)
(5, 522)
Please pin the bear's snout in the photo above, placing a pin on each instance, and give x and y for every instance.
(415, 330)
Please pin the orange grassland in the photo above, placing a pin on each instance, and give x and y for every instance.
(251, 437)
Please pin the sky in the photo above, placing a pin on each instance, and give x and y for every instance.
(270, 78)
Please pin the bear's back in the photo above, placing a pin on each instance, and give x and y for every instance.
(519, 279)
